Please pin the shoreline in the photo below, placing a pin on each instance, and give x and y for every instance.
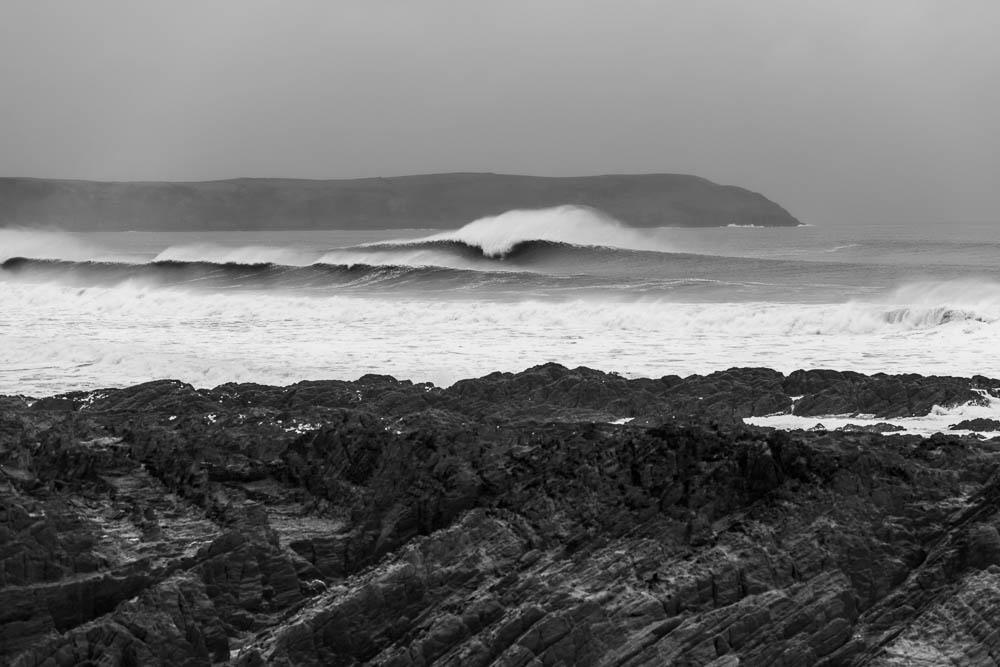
(757, 396)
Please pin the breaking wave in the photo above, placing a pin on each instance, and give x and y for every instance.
(910, 308)
(522, 237)
(554, 242)
(521, 240)
(498, 236)
(528, 255)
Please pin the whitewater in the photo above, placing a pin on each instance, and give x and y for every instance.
(569, 285)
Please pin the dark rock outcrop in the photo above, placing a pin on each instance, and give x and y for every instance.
(429, 201)
(977, 424)
(501, 521)
(830, 392)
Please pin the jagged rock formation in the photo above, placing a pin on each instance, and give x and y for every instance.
(501, 521)
(428, 201)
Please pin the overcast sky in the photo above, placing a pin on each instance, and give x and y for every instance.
(860, 110)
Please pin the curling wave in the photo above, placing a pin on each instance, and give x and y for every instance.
(499, 235)
(533, 255)
(522, 238)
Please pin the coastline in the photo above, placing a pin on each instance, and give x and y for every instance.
(553, 392)
(499, 520)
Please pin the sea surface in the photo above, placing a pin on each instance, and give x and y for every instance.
(570, 285)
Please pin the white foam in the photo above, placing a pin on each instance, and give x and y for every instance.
(939, 420)
(55, 338)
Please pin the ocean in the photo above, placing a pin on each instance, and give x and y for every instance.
(569, 285)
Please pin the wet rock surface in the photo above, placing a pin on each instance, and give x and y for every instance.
(978, 424)
(881, 427)
(501, 521)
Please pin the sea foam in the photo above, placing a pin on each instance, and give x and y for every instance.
(58, 337)
(939, 420)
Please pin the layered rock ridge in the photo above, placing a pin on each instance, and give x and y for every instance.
(500, 521)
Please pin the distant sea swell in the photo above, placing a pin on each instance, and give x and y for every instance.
(566, 251)
(567, 248)
(567, 285)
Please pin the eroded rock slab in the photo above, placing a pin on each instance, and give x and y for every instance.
(502, 521)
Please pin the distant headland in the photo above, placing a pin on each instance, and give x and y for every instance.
(423, 201)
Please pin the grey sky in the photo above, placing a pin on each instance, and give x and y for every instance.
(862, 110)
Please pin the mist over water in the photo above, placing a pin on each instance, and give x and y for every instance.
(83, 311)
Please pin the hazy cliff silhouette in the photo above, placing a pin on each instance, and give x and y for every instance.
(424, 201)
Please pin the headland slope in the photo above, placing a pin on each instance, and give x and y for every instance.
(433, 201)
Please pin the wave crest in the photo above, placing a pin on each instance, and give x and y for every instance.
(497, 236)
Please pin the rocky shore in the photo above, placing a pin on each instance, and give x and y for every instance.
(504, 520)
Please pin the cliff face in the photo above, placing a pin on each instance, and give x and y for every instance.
(498, 522)
(427, 201)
